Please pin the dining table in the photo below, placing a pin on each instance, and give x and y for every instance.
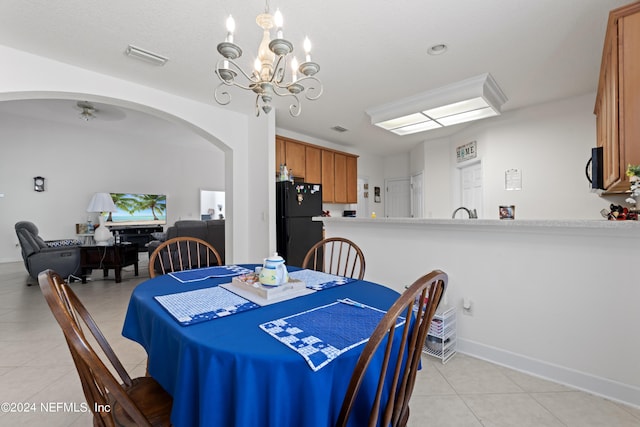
(240, 368)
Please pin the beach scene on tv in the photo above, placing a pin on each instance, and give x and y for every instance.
(138, 209)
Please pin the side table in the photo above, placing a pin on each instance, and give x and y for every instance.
(108, 257)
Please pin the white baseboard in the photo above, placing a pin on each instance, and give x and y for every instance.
(612, 390)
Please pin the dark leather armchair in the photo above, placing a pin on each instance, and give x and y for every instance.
(63, 256)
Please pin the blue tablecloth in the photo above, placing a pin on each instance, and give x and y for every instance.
(228, 372)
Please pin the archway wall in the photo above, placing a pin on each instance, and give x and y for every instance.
(27, 76)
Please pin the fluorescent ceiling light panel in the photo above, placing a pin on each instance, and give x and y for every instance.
(456, 108)
(418, 127)
(402, 121)
(467, 116)
(472, 99)
(145, 55)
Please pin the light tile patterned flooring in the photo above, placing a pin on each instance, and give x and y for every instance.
(36, 367)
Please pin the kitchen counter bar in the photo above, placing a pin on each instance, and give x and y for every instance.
(554, 298)
(493, 223)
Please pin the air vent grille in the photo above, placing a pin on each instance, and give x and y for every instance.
(339, 129)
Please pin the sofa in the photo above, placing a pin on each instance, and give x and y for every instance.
(38, 254)
(211, 231)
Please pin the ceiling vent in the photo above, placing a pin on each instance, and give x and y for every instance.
(145, 55)
(339, 129)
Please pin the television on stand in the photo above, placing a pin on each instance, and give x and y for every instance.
(137, 217)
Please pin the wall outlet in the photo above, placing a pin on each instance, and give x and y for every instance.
(467, 307)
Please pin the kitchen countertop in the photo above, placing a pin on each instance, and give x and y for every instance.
(497, 223)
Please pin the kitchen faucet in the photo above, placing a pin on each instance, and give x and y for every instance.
(472, 213)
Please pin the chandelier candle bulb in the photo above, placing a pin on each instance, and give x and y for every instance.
(277, 18)
(307, 48)
(231, 27)
(294, 69)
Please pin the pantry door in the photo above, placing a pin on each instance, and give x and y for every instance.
(471, 187)
(398, 198)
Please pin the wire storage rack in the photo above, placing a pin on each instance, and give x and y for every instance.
(441, 338)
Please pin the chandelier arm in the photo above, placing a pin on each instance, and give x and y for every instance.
(311, 90)
(257, 106)
(232, 81)
(295, 109)
(279, 72)
(221, 97)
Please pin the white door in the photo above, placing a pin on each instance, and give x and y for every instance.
(417, 196)
(398, 198)
(471, 183)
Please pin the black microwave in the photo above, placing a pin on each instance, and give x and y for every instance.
(594, 169)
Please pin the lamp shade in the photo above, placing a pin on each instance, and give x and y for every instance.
(101, 202)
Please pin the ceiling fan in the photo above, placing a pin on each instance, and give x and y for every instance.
(90, 111)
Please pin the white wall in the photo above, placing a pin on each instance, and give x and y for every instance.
(26, 76)
(438, 188)
(78, 161)
(549, 143)
(554, 301)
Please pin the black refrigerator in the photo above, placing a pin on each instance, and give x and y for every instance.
(296, 204)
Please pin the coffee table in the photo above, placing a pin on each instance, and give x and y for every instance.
(108, 257)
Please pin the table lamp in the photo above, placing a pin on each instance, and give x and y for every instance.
(102, 202)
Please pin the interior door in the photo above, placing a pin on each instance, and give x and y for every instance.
(471, 187)
(398, 198)
(417, 196)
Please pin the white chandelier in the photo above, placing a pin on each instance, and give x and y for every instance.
(268, 78)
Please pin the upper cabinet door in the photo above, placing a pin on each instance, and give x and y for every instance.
(340, 173)
(295, 157)
(328, 176)
(352, 179)
(617, 108)
(313, 165)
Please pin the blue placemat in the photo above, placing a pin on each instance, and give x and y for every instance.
(318, 281)
(197, 274)
(203, 304)
(323, 333)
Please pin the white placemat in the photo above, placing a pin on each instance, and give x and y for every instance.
(319, 280)
(203, 304)
(197, 274)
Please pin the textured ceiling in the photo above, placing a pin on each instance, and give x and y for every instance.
(370, 52)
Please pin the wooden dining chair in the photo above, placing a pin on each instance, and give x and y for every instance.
(182, 253)
(400, 365)
(125, 402)
(336, 255)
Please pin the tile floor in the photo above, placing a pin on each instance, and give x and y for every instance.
(36, 368)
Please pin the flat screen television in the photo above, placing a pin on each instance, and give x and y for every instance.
(138, 210)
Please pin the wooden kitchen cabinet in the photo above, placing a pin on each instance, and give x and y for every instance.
(340, 173)
(313, 165)
(295, 158)
(335, 170)
(328, 176)
(617, 105)
(352, 179)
